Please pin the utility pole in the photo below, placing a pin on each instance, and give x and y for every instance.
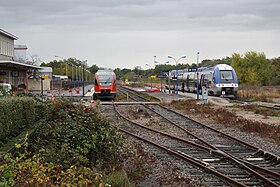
(83, 80)
(197, 91)
(176, 61)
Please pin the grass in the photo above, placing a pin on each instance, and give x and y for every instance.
(118, 179)
(261, 110)
(228, 119)
(258, 93)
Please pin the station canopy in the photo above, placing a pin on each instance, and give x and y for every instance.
(17, 65)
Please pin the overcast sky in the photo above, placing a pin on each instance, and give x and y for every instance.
(129, 33)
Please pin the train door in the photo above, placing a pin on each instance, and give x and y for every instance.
(211, 84)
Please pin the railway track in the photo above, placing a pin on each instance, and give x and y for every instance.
(269, 106)
(266, 164)
(227, 170)
(131, 95)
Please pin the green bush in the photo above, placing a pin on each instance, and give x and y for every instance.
(41, 109)
(75, 135)
(34, 171)
(16, 114)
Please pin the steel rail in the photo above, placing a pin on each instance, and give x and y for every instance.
(212, 150)
(126, 90)
(260, 169)
(206, 126)
(134, 92)
(219, 132)
(270, 106)
(188, 159)
(252, 166)
(191, 160)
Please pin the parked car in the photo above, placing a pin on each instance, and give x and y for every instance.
(6, 88)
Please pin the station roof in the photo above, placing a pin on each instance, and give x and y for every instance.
(20, 47)
(17, 65)
(8, 34)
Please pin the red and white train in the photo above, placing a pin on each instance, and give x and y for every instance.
(105, 85)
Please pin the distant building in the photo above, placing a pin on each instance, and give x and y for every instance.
(45, 72)
(13, 72)
(20, 53)
(6, 45)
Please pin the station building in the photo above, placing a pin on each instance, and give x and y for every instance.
(11, 71)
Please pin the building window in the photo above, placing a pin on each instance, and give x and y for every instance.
(6, 48)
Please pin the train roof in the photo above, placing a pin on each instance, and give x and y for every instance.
(105, 72)
(219, 66)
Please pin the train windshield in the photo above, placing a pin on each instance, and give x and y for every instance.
(105, 78)
(226, 76)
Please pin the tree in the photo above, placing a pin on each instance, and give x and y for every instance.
(93, 69)
(239, 66)
(274, 67)
(118, 73)
(35, 59)
(213, 62)
(59, 66)
(252, 67)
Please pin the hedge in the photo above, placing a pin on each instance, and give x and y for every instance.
(75, 135)
(16, 115)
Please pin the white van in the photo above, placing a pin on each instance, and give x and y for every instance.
(6, 87)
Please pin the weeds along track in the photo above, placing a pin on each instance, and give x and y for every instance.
(264, 105)
(264, 163)
(227, 170)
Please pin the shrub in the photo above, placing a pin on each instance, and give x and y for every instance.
(16, 114)
(75, 135)
(41, 109)
(34, 171)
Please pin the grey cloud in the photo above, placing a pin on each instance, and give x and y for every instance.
(144, 14)
(107, 31)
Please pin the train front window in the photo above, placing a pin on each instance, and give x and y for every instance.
(226, 76)
(105, 79)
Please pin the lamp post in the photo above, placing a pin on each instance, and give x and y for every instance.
(197, 91)
(74, 75)
(80, 74)
(156, 62)
(77, 76)
(177, 70)
(83, 83)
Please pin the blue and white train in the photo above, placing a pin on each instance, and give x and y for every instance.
(221, 80)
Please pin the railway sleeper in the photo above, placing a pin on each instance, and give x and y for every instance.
(274, 160)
